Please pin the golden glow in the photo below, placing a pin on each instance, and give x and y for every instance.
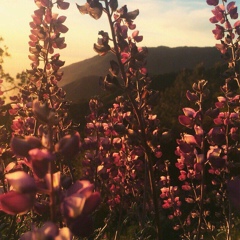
(168, 23)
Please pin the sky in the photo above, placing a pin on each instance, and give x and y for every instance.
(170, 23)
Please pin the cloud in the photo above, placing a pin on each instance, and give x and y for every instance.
(173, 24)
(170, 23)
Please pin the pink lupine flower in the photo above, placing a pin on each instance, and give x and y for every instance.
(237, 27)
(125, 57)
(216, 157)
(59, 42)
(167, 203)
(189, 139)
(177, 213)
(186, 187)
(39, 160)
(218, 14)
(37, 18)
(48, 231)
(189, 200)
(124, 31)
(192, 96)
(183, 175)
(117, 143)
(136, 37)
(43, 3)
(61, 4)
(93, 8)
(80, 201)
(213, 2)
(143, 71)
(21, 182)
(22, 195)
(221, 47)
(188, 118)
(232, 10)
(58, 24)
(40, 110)
(14, 202)
(216, 136)
(69, 145)
(180, 164)
(221, 102)
(218, 32)
(158, 152)
(22, 146)
(234, 133)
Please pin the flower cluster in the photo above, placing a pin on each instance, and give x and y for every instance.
(227, 32)
(123, 147)
(196, 194)
(39, 177)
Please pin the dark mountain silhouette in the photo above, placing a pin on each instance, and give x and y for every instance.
(80, 79)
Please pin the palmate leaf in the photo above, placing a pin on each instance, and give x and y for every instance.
(94, 9)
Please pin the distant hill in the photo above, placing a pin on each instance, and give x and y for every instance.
(80, 79)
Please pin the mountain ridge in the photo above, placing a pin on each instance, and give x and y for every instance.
(80, 79)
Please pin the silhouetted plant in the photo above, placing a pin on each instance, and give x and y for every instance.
(120, 151)
(39, 180)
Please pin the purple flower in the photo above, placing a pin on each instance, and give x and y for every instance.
(63, 5)
(39, 159)
(232, 10)
(22, 196)
(21, 182)
(218, 32)
(216, 157)
(222, 47)
(136, 37)
(79, 203)
(69, 145)
(188, 118)
(216, 136)
(21, 147)
(218, 13)
(237, 27)
(213, 2)
(48, 231)
(14, 202)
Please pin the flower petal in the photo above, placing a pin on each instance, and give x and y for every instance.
(21, 181)
(16, 203)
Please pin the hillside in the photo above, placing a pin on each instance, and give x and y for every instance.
(80, 79)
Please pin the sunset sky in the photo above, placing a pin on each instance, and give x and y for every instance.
(169, 23)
